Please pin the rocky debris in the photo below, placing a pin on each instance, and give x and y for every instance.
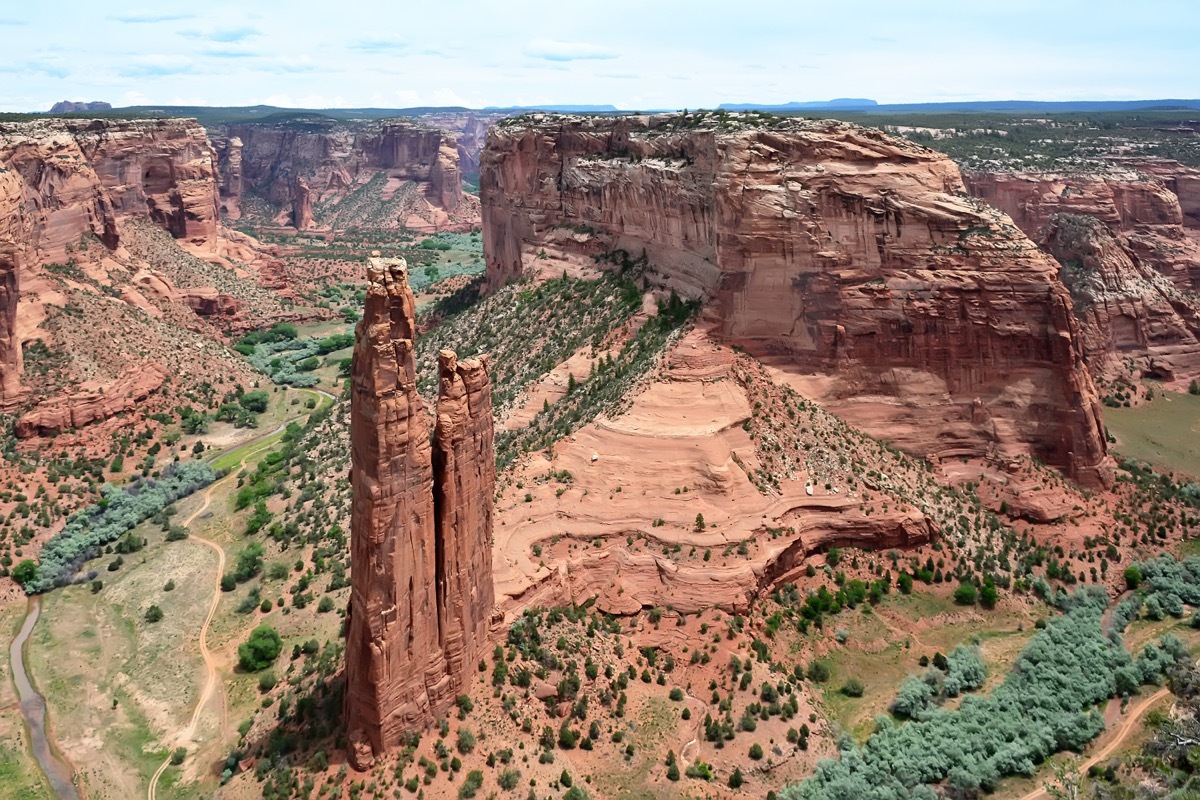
(920, 314)
(422, 595)
(76, 107)
(93, 404)
(294, 165)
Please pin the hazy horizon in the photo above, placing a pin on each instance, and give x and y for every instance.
(531, 52)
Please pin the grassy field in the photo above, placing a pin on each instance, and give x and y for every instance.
(883, 646)
(1165, 432)
(121, 690)
(114, 682)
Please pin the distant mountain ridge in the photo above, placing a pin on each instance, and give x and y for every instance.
(976, 106)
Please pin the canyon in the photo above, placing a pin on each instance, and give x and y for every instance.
(421, 526)
(297, 165)
(1129, 242)
(851, 260)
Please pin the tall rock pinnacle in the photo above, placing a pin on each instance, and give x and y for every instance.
(421, 525)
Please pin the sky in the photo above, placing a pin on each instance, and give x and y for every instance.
(648, 54)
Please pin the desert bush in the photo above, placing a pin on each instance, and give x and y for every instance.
(260, 650)
(118, 512)
(1047, 703)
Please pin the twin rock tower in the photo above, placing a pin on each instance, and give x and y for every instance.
(421, 595)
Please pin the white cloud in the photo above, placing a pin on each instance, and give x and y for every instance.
(553, 50)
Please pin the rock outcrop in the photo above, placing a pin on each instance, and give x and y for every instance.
(92, 404)
(331, 160)
(422, 595)
(1127, 254)
(79, 107)
(1126, 307)
(853, 260)
(1139, 208)
(12, 229)
(81, 177)
(229, 179)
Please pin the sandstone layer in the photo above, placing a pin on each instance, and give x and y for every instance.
(1142, 210)
(93, 404)
(421, 597)
(63, 181)
(1128, 256)
(853, 260)
(1126, 307)
(299, 165)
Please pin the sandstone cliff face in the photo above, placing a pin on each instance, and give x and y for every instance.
(1126, 307)
(334, 159)
(852, 259)
(421, 596)
(1139, 235)
(1141, 210)
(85, 176)
(92, 404)
(229, 179)
(12, 227)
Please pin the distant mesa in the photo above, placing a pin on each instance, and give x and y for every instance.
(73, 107)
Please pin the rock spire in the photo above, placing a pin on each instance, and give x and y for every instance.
(421, 525)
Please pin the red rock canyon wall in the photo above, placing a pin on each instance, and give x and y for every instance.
(850, 259)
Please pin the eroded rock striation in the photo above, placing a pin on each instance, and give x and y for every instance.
(421, 526)
(298, 165)
(93, 404)
(853, 260)
(1127, 254)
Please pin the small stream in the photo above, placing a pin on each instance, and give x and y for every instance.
(33, 708)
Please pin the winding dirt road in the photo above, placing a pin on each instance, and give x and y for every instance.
(212, 676)
(1122, 732)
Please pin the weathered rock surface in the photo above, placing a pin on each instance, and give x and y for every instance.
(331, 160)
(1127, 255)
(855, 259)
(229, 179)
(1126, 307)
(92, 404)
(1141, 210)
(421, 597)
(12, 229)
(80, 177)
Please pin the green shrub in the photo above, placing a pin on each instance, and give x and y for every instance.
(260, 650)
(256, 401)
(154, 614)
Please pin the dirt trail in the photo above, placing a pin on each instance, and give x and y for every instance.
(212, 677)
(1128, 727)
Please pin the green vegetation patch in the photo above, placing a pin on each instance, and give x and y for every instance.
(1165, 432)
(119, 511)
(1049, 702)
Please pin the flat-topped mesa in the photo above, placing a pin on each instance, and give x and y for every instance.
(421, 526)
(852, 261)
